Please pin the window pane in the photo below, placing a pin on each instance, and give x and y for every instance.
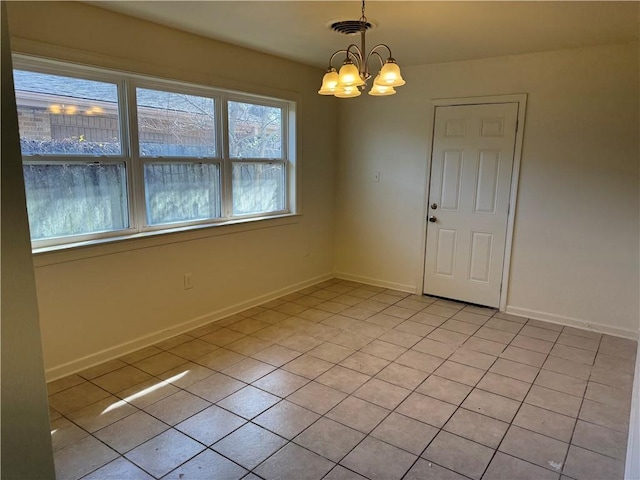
(65, 200)
(258, 188)
(255, 131)
(181, 192)
(64, 115)
(175, 124)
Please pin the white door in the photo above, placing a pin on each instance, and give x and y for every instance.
(471, 166)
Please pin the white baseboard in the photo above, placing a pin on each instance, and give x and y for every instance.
(377, 283)
(632, 466)
(83, 363)
(572, 322)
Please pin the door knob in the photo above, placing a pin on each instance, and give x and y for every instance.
(434, 206)
(432, 219)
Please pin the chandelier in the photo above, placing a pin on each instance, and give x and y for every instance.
(352, 78)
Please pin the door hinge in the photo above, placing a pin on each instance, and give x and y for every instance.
(517, 125)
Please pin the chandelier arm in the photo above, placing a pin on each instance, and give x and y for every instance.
(371, 53)
(357, 55)
(380, 45)
(337, 52)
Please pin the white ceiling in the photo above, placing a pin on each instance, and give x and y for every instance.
(419, 32)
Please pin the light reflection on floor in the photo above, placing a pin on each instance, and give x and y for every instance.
(144, 392)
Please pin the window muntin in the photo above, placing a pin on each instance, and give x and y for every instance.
(173, 183)
(75, 199)
(60, 115)
(255, 131)
(172, 124)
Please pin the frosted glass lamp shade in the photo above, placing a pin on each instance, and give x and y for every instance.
(390, 74)
(379, 90)
(329, 83)
(349, 76)
(347, 92)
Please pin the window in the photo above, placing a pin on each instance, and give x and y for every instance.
(182, 127)
(66, 199)
(255, 131)
(175, 125)
(256, 146)
(108, 155)
(181, 192)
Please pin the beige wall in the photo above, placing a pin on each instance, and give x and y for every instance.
(97, 307)
(575, 255)
(26, 439)
(575, 250)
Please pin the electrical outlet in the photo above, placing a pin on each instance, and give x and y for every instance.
(188, 281)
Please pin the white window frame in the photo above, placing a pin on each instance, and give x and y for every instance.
(283, 159)
(140, 161)
(127, 84)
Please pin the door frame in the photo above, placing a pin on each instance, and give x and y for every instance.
(521, 100)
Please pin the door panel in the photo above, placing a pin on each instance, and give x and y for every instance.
(446, 252)
(471, 166)
(487, 186)
(451, 177)
(480, 264)
(455, 127)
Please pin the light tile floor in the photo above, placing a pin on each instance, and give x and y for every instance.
(344, 381)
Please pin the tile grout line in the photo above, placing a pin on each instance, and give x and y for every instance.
(325, 417)
(232, 412)
(170, 427)
(513, 418)
(573, 431)
(458, 407)
(410, 348)
(247, 422)
(440, 429)
(412, 392)
(516, 414)
(309, 426)
(390, 412)
(577, 415)
(382, 420)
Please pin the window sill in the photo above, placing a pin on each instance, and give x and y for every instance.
(108, 246)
